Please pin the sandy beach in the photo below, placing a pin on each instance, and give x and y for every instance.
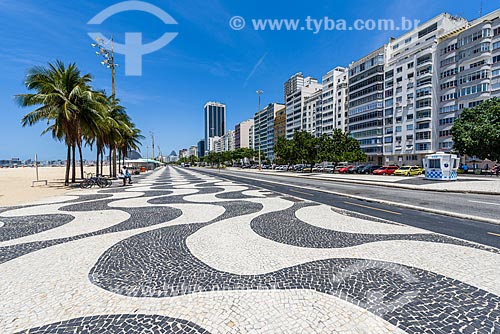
(15, 184)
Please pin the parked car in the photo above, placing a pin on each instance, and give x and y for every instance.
(328, 169)
(358, 169)
(343, 170)
(317, 168)
(368, 169)
(385, 170)
(338, 167)
(351, 169)
(409, 170)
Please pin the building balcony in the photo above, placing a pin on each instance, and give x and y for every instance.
(424, 74)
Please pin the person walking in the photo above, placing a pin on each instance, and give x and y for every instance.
(495, 170)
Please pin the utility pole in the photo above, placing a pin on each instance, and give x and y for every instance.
(259, 93)
(152, 143)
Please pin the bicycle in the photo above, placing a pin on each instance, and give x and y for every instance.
(98, 180)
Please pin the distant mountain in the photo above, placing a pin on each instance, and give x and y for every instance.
(132, 155)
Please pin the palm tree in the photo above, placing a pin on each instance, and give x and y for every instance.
(61, 92)
(131, 140)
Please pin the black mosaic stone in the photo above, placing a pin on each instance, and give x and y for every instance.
(236, 194)
(139, 217)
(158, 264)
(284, 227)
(120, 324)
(17, 227)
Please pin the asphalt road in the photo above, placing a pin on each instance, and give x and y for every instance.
(469, 204)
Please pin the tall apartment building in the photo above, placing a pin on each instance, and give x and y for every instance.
(366, 103)
(296, 90)
(280, 124)
(193, 151)
(242, 133)
(251, 137)
(215, 121)
(468, 62)
(229, 140)
(410, 91)
(311, 110)
(334, 102)
(264, 129)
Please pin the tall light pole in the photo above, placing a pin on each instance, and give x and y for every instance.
(152, 143)
(259, 93)
(107, 52)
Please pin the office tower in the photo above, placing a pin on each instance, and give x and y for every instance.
(215, 121)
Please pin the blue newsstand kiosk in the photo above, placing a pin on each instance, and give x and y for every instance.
(441, 166)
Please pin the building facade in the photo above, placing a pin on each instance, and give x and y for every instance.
(366, 103)
(280, 124)
(193, 151)
(215, 121)
(411, 93)
(468, 72)
(264, 129)
(229, 140)
(296, 90)
(201, 148)
(333, 102)
(242, 134)
(251, 137)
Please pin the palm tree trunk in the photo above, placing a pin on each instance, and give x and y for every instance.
(119, 160)
(110, 164)
(97, 162)
(114, 162)
(68, 159)
(102, 161)
(81, 160)
(73, 172)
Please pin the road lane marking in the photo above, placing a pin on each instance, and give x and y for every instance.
(495, 234)
(381, 201)
(484, 202)
(370, 207)
(301, 192)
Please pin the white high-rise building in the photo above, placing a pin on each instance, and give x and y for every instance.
(468, 72)
(333, 114)
(242, 134)
(193, 151)
(411, 91)
(296, 90)
(229, 140)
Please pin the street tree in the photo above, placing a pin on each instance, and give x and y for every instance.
(477, 131)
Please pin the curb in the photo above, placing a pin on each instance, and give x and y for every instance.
(401, 205)
(371, 183)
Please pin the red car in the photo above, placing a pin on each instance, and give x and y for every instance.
(343, 170)
(385, 170)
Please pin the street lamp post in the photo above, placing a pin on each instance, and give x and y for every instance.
(108, 54)
(152, 143)
(259, 93)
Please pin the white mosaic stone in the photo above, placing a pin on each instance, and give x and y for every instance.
(323, 216)
(231, 245)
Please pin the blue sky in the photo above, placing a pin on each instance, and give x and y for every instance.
(206, 61)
